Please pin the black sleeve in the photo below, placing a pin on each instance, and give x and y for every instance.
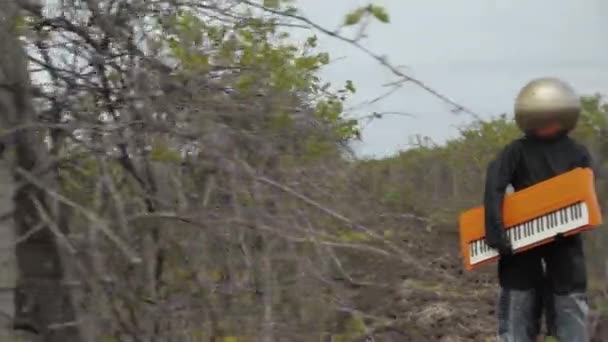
(499, 175)
(584, 159)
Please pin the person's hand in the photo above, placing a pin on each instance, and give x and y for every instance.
(559, 237)
(502, 245)
(505, 249)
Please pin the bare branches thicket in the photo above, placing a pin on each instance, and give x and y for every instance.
(42, 305)
(195, 210)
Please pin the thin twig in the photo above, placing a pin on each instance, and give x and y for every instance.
(97, 222)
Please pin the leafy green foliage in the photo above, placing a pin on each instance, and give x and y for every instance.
(162, 153)
(355, 16)
(272, 3)
(449, 178)
(265, 62)
(379, 13)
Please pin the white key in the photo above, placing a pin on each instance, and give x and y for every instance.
(541, 228)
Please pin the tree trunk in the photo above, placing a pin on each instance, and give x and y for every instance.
(42, 305)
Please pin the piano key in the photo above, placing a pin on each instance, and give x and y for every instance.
(523, 234)
(573, 211)
(555, 222)
(520, 230)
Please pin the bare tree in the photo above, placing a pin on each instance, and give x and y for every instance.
(203, 169)
(42, 304)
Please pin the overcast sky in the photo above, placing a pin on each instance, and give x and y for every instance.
(478, 52)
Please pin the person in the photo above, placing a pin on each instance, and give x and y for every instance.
(554, 274)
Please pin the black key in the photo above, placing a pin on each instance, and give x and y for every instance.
(520, 232)
(555, 218)
(566, 216)
(561, 217)
(573, 211)
(532, 227)
(542, 223)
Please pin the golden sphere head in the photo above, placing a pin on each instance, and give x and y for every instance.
(546, 100)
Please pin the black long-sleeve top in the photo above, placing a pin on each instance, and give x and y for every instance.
(522, 163)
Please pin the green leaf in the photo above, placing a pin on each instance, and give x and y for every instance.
(350, 86)
(323, 58)
(354, 17)
(379, 13)
(312, 41)
(161, 153)
(245, 82)
(20, 24)
(271, 3)
(350, 236)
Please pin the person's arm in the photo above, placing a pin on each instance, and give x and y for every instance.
(585, 159)
(499, 175)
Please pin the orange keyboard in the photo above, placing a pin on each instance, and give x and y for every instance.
(565, 204)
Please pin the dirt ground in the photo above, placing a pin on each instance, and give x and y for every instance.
(441, 302)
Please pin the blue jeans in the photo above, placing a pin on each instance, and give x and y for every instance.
(520, 312)
(550, 277)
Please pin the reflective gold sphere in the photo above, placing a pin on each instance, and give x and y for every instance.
(544, 100)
